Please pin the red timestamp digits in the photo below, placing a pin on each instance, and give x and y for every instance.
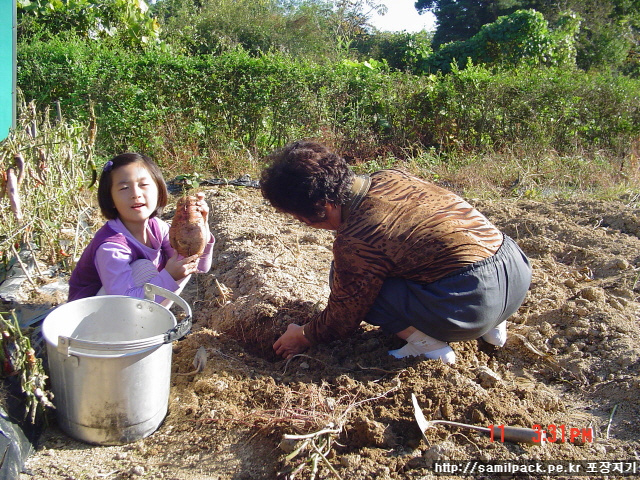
(561, 433)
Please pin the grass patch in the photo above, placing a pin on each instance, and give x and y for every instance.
(543, 175)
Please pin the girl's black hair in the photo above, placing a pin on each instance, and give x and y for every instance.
(105, 200)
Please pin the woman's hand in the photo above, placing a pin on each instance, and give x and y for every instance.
(292, 342)
(179, 269)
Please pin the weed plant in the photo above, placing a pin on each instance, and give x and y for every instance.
(50, 209)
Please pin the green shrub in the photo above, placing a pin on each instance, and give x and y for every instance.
(229, 102)
(549, 108)
(191, 110)
(402, 51)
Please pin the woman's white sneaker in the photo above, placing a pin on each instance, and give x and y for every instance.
(419, 343)
(497, 336)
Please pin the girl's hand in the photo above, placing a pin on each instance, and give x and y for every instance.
(179, 269)
(203, 206)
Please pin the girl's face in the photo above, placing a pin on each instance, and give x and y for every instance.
(134, 193)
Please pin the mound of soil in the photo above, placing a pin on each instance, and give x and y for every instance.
(571, 362)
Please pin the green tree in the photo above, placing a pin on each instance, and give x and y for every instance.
(609, 36)
(462, 19)
(609, 33)
(402, 51)
(522, 38)
(351, 16)
(315, 28)
(127, 20)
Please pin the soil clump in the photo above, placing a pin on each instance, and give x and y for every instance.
(570, 362)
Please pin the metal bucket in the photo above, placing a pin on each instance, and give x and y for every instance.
(110, 364)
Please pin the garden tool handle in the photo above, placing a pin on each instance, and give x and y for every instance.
(519, 435)
(501, 433)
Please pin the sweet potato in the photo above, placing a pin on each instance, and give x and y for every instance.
(188, 233)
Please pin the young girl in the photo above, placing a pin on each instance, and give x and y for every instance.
(133, 248)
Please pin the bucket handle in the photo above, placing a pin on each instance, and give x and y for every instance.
(175, 333)
(182, 328)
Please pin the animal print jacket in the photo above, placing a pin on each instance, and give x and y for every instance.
(403, 227)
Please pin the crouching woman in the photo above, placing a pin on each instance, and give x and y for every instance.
(408, 256)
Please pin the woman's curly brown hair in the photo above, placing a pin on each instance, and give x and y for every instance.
(303, 177)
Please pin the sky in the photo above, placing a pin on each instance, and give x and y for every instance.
(402, 15)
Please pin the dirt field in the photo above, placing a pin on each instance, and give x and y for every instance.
(571, 362)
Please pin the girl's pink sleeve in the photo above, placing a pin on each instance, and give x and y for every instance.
(113, 264)
(206, 259)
